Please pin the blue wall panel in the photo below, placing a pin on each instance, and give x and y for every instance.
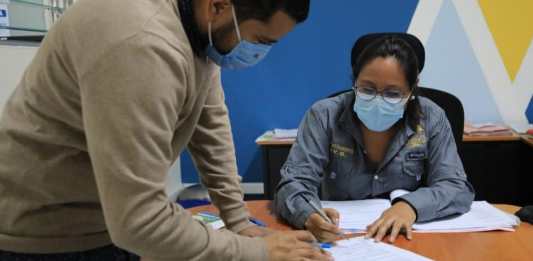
(309, 64)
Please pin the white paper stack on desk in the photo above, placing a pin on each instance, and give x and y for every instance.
(356, 215)
(481, 217)
(487, 129)
(284, 133)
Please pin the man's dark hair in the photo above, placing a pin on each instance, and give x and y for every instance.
(264, 9)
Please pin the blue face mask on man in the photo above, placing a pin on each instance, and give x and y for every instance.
(377, 114)
(244, 55)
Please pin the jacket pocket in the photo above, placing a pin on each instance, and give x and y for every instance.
(413, 169)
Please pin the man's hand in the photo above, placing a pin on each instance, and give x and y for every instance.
(321, 229)
(294, 245)
(256, 231)
(398, 217)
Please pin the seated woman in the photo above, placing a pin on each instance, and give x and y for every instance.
(375, 139)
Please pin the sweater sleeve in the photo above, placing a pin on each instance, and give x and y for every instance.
(213, 152)
(131, 99)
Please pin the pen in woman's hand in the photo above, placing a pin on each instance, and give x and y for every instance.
(318, 210)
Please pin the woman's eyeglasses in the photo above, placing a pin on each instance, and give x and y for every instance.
(391, 96)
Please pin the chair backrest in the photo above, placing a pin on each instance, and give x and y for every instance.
(453, 108)
(451, 105)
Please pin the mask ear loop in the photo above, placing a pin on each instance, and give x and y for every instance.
(210, 32)
(210, 36)
(235, 23)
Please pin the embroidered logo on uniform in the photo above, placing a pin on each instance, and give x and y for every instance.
(340, 150)
(418, 139)
(416, 155)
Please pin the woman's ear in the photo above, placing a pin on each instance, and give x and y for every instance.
(414, 93)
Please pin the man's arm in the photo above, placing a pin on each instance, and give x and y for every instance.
(131, 99)
(213, 152)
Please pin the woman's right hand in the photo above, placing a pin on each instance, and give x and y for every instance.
(323, 230)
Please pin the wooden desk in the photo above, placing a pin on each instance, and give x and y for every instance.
(266, 141)
(476, 138)
(528, 139)
(493, 245)
(499, 167)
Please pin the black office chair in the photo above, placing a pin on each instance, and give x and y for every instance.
(451, 105)
(453, 108)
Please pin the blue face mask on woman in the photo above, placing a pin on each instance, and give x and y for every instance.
(377, 114)
(245, 54)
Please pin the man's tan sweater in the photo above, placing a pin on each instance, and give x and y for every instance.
(111, 99)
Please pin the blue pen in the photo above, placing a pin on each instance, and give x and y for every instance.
(257, 222)
(325, 245)
(322, 245)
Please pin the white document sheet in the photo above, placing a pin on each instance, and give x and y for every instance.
(481, 217)
(285, 133)
(366, 249)
(356, 215)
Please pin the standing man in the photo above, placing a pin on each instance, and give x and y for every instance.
(115, 93)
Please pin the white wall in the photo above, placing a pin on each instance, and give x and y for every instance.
(13, 62)
(174, 183)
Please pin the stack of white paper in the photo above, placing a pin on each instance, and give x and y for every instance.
(481, 217)
(366, 249)
(487, 129)
(356, 215)
(285, 133)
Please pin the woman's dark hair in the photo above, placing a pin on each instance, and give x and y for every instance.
(401, 50)
(263, 10)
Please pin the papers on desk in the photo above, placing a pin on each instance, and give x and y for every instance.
(210, 219)
(284, 133)
(356, 215)
(277, 135)
(481, 217)
(366, 249)
(487, 129)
